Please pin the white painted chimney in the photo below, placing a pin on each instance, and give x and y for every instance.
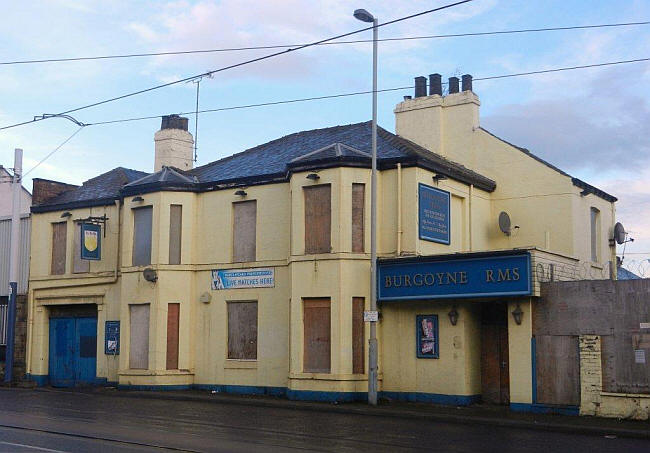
(174, 144)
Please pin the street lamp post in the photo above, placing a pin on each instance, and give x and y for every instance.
(365, 16)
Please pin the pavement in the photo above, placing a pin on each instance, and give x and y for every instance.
(104, 419)
(488, 415)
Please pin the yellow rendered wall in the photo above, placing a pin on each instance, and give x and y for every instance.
(457, 371)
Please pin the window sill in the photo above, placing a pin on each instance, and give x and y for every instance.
(237, 364)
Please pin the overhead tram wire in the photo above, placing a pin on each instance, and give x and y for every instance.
(236, 65)
(358, 93)
(356, 41)
(53, 151)
(332, 96)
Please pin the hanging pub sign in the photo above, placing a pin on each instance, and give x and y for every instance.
(434, 214)
(91, 241)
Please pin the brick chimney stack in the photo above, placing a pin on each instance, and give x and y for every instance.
(174, 144)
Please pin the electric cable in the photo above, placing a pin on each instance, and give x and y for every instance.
(236, 65)
(358, 93)
(52, 152)
(356, 41)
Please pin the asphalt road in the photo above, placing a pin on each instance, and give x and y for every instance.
(37, 421)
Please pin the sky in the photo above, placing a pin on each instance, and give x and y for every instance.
(592, 123)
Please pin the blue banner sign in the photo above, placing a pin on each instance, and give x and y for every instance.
(243, 278)
(507, 275)
(91, 241)
(112, 338)
(433, 214)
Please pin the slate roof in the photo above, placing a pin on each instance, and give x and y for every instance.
(98, 191)
(348, 145)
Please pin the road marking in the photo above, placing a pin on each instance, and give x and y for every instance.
(32, 447)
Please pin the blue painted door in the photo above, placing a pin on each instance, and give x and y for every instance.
(73, 351)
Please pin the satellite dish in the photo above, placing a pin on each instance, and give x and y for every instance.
(504, 223)
(150, 275)
(619, 233)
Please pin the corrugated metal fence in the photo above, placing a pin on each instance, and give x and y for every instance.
(5, 253)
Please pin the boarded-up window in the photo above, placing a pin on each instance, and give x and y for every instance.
(139, 336)
(173, 311)
(358, 335)
(594, 234)
(242, 330)
(244, 230)
(142, 236)
(175, 233)
(318, 219)
(78, 265)
(358, 199)
(59, 247)
(317, 349)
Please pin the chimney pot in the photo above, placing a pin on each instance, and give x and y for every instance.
(453, 85)
(435, 84)
(174, 122)
(467, 82)
(420, 86)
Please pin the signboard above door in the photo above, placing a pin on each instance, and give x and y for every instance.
(454, 277)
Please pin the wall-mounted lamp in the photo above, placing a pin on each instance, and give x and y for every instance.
(453, 316)
(313, 176)
(517, 314)
(137, 199)
(66, 214)
(241, 193)
(439, 177)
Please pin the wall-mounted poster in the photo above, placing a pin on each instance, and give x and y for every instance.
(434, 216)
(91, 241)
(426, 329)
(112, 338)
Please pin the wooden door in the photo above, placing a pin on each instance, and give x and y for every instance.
(317, 325)
(495, 367)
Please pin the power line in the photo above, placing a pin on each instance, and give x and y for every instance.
(53, 151)
(358, 93)
(282, 46)
(243, 63)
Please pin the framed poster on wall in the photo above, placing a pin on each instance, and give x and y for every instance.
(426, 329)
(434, 215)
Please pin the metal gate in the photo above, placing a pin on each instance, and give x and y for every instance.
(73, 351)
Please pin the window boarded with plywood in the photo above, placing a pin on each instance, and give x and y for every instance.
(175, 233)
(78, 265)
(358, 202)
(358, 335)
(242, 330)
(244, 231)
(317, 335)
(59, 248)
(318, 219)
(173, 313)
(142, 236)
(139, 337)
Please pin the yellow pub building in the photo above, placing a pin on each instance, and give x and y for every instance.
(251, 274)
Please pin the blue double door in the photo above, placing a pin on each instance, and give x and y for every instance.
(73, 351)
